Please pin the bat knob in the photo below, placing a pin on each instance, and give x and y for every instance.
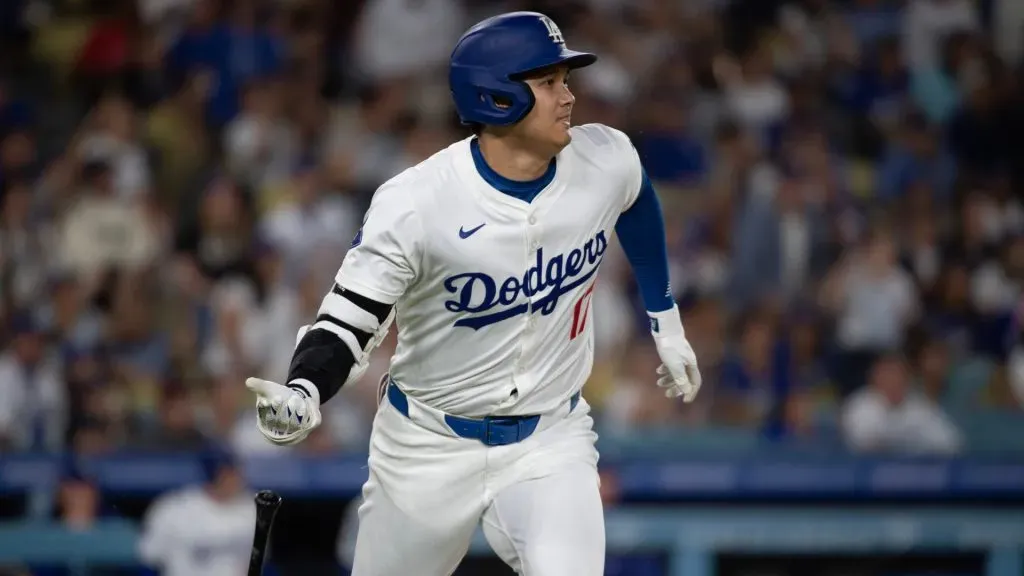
(268, 499)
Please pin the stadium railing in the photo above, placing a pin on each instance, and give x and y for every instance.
(761, 474)
(691, 537)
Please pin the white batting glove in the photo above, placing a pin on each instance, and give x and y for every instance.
(678, 371)
(284, 415)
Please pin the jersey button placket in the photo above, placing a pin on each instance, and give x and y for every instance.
(531, 233)
(532, 246)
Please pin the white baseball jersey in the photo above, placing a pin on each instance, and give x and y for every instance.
(188, 533)
(492, 293)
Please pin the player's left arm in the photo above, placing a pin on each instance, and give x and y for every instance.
(641, 232)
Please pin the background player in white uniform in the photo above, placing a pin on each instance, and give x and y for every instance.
(488, 253)
(202, 530)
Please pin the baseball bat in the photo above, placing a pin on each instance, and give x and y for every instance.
(267, 504)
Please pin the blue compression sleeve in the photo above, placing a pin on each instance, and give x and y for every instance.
(641, 231)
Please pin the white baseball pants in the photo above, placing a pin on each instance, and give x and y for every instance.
(538, 500)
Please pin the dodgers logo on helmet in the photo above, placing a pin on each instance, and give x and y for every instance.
(478, 292)
(486, 68)
(553, 31)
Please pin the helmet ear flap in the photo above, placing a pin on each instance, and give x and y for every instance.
(508, 105)
(484, 97)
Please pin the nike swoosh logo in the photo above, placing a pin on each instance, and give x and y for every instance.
(467, 233)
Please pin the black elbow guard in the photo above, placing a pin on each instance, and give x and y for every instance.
(323, 359)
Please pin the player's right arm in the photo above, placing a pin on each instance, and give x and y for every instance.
(641, 231)
(352, 320)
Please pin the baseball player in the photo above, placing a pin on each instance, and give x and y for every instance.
(202, 530)
(486, 254)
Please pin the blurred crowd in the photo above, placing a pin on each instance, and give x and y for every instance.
(842, 183)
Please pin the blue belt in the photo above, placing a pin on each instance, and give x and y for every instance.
(491, 430)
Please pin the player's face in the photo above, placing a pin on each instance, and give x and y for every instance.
(549, 121)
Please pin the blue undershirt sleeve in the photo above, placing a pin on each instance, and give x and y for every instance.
(641, 231)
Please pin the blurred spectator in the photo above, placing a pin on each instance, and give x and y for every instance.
(749, 385)
(105, 53)
(74, 320)
(875, 302)
(754, 97)
(928, 22)
(100, 231)
(938, 89)
(217, 239)
(202, 530)
(33, 414)
(176, 430)
(805, 27)
(779, 245)
(878, 91)
(171, 131)
(311, 226)
(432, 26)
(79, 500)
(888, 415)
(953, 317)
(26, 245)
(977, 131)
(260, 145)
(110, 137)
(228, 53)
(360, 137)
(804, 407)
(672, 152)
(915, 158)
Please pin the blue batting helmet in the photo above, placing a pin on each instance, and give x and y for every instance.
(490, 59)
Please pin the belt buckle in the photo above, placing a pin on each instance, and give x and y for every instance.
(502, 423)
